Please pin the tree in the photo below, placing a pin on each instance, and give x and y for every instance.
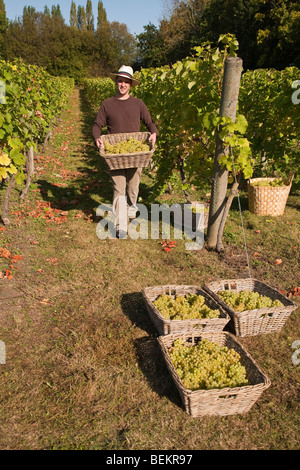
(175, 32)
(102, 16)
(180, 29)
(44, 39)
(81, 18)
(47, 11)
(73, 16)
(89, 16)
(277, 22)
(150, 48)
(56, 11)
(265, 30)
(3, 24)
(123, 49)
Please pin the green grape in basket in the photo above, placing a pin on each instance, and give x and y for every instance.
(244, 300)
(207, 365)
(184, 307)
(127, 146)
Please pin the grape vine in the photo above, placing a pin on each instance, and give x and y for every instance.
(33, 102)
(184, 101)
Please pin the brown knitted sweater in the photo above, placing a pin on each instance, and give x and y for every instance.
(122, 116)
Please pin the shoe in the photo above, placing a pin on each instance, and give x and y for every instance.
(121, 234)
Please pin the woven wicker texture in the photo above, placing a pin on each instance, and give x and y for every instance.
(253, 322)
(217, 402)
(165, 326)
(126, 160)
(267, 200)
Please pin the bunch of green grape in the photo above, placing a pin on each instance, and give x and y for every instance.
(207, 365)
(272, 183)
(184, 307)
(127, 146)
(247, 300)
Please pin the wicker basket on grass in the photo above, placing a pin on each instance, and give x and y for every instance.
(127, 160)
(222, 401)
(267, 200)
(165, 326)
(258, 321)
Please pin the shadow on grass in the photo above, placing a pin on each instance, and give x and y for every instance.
(150, 358)
(153, 366)
(134, 308)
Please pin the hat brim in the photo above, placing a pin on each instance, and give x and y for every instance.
(114, 77)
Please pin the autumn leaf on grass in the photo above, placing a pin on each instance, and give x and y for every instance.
(295, 291)
(167, 246)
(278, 261)
(284, 292)
(8, 274)
(53, 261)
(4, 253)
(16, 258)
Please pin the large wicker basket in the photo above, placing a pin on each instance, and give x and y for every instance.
(165, 326)
(126, 160)
(222, 401)
(267, 200)
(253, 322)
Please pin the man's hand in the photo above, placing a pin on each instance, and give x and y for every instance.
(152, 138)
(99, 142)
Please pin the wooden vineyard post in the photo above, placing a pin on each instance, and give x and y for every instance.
(8, 191)
(29, 171)
(228, 107)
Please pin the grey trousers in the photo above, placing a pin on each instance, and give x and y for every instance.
(126, 183)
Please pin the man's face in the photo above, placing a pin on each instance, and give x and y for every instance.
(123, 85)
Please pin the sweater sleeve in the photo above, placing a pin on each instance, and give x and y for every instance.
(99, 122)
(147, 119)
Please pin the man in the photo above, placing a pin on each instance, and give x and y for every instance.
(124, 113)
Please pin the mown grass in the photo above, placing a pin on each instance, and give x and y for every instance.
(83, 369)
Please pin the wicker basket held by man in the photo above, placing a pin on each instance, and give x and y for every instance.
(124, 113)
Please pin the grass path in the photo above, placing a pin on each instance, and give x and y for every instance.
(83, 370)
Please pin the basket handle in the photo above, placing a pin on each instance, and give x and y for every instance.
(290, 179)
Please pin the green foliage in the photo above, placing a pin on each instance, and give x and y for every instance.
(75, 51)
(97, 90)
(184, 101)
(34, 99)
(273, 120)
(267, 32)
(151, 48)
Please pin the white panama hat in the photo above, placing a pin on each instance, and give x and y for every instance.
(126, 72)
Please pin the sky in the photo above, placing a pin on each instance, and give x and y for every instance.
(134, 13)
